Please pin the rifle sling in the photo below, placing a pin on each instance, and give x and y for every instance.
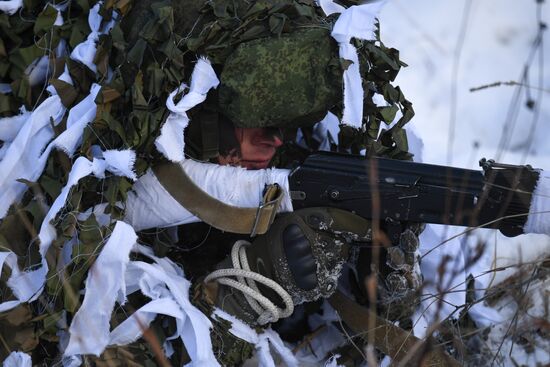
(218, 214)
(400, 345)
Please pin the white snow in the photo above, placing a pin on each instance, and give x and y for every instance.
(496, 45)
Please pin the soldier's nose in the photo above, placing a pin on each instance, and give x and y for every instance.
(268, 137)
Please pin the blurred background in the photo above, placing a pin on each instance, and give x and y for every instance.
(500, 48)
(453, 46)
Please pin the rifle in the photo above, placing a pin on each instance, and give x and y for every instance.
(393, 191)
(396, 191)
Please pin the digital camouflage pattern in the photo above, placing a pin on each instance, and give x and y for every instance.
(151, 51)
(289, 81)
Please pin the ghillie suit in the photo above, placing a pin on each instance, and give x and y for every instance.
(84, 94)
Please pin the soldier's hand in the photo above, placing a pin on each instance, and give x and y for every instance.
(303, 253)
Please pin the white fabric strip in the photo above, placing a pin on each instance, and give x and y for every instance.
(162, 281)
(165, 280)
(150, 205)
(25, 150)
(538, 220)
(26, 158)
(325, 132)
(89, 330)
(133, 327)
(32, 164)
(27, 286)
(119, 162)
(171, 140)
(3, 150)
(10, 126)
(10, 259)
(38, 71)
(85, 51)
(5, 88)
(18, 359)
(11, 6)
(359, 22)
(261, 341)
(77, 120)
(27, 154)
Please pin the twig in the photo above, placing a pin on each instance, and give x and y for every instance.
(513, 322)
(454, 77)
(308, 338)
(510, 83)
(483, 225)
(351, 339)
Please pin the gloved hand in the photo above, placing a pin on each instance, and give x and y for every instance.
(298, 260)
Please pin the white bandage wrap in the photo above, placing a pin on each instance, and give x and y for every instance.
(150, 205)
(538, 220)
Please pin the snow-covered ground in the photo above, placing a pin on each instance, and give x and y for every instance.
(496, 45)
(450, 47)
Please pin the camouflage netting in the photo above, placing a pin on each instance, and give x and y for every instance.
(139, 62)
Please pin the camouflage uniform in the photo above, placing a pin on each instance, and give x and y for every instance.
(151, 51)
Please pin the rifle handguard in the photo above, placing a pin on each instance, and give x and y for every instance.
(402, 191)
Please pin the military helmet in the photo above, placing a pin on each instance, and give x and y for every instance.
(277, 63)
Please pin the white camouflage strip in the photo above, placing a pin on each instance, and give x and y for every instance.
(11, 6)
(18, 359)
(262, 341)
(28, 285)
(28, 151)
(171, 140)
(358, 21)
(150, 205)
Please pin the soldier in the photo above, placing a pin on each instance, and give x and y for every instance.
(282, 66)
(253, 122)
(281, 72)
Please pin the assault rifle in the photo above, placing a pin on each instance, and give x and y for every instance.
(393, 191)
(397, 191)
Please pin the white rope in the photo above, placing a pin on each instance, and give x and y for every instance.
(246, 283)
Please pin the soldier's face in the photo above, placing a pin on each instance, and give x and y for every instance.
(257, 147)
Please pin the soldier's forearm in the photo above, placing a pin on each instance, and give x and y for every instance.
(151, 205)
